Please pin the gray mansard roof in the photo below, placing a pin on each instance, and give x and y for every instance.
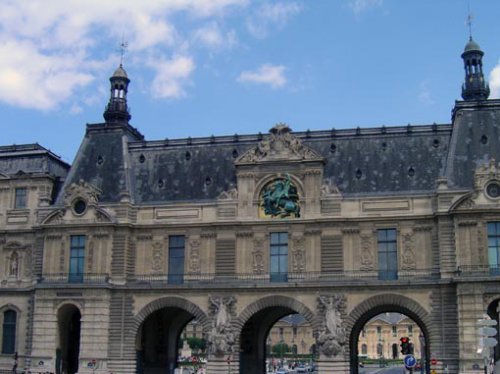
(375, 161)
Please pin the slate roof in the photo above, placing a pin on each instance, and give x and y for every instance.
(32, 159)
(404, 160)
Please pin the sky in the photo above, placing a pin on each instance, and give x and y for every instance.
(222, 67)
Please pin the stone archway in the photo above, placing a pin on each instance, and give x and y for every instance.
(493, 312)
(157, 328)
(254, 324)
(68, 346)
(375, 305)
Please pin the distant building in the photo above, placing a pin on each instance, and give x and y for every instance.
(380, 338)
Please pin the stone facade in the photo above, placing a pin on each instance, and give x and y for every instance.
(105, 261)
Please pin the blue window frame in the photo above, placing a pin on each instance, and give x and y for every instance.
(76, 258)
(387, 254)
(9, 332)
(20, 198)
(494, 247)
(176, 246)
(279, 257)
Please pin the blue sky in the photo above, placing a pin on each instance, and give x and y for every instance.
(203, 67)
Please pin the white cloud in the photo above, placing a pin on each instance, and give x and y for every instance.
(494, 81)
(212, 36)
(50, 48)
(271, 15)
(272, 75)
(171, 76)
(360, 6)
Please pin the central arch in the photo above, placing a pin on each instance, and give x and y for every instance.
(157, 328)
(376, 305)
(256, 321)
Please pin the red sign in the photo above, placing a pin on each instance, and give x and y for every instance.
(434, 361)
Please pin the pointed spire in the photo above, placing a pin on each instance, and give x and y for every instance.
(117, 108)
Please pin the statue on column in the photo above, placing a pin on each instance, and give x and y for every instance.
(332, 339)
(221, 338)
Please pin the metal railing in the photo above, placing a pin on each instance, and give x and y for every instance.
(478, 270)
(278, 278)
(84, 278)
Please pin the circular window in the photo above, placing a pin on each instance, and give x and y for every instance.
(79, 206)
(493, 190)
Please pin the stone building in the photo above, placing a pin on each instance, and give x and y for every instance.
(381, 337)
(105, 261)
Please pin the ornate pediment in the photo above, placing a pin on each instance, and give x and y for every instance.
(81, 190)
(486, 173)
(280, 145)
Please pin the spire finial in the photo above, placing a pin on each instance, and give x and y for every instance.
(470, 17)
(123, 47)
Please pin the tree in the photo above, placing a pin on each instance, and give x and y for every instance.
(197, 344)
(280, 348)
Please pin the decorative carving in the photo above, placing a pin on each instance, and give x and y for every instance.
(62, 253)
(208, 234)
(194, 257)
(466, 204)
(83, 190)
(280, 144)
(221, 338)
(481, 246)
(311, 231)
(280, 199)
(258, 255)
(329, 188)
(298, 255)
(366, 256)
(157, 256)
(90, 259)
(409, 262)
(55, 217)
(332, 339)
(244, 234)
(350, 230)
(230, 194)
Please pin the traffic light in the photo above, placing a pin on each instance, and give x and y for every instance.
(405, 345)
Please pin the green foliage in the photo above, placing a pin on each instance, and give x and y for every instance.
(280, 348)
(197, 344)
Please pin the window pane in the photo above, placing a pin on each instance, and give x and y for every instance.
(176, 251)
(9, 332)
(20, 198)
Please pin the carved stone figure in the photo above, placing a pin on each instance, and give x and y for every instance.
(280, 199)
(258, 255)
(222, 338)
(157, 256)
(333, 338)
(14, 265)
(366, 252)
(298, 255)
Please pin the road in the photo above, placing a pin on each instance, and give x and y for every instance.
(387, 370)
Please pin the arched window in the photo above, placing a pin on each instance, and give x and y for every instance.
(379, 350)
(9, 332)
(364, 349)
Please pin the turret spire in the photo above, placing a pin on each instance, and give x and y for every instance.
(474, 87)
(117, 109)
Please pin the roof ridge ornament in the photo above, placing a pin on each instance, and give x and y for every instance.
(281, 145)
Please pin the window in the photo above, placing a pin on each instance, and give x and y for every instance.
(394, 331)
(379, 332)
(364, 349)
(20, 198)
(9, 332)
(279, 257)
(76, 258)
(494, 247)
(176, 244)
(387, 254)
(410, 330)
(363, 332)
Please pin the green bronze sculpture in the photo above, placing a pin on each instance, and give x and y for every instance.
(280, 199)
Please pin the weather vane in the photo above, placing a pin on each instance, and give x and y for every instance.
(123, 47)
(470, 17)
